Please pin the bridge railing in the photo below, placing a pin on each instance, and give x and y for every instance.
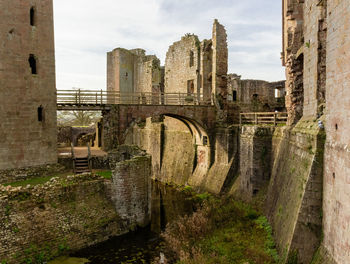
(263, 118)
(100, 97)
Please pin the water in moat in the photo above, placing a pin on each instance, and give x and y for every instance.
(143, 245)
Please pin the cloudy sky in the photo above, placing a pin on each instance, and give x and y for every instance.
(86, 29)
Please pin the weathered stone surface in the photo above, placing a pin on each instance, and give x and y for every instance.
(256, 95)
(131, 185)
(12, 175)
(220, 63)
(255, 158)
(24, 139)
(130, 71)
(182, 66)
(119, 119)
(64, 213)
(68, 135)
(294, 201)
(336, 204)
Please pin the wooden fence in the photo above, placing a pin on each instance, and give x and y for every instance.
(261, 118)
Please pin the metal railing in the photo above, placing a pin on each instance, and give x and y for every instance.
(101, 97)
(263, 118)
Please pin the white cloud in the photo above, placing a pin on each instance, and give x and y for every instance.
(86, 29)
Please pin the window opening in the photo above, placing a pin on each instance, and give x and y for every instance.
(205, 140)
(191, 58)
(32, 63)
(40, 113)
(234, 95)
(32, 16)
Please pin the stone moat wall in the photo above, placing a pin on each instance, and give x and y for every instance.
(59, 215)
(70, 213)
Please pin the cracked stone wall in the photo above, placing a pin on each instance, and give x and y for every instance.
(256, 95)
(27, 98)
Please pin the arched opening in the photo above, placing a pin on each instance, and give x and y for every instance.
(180, 147)
(32, 16)
(32, 64)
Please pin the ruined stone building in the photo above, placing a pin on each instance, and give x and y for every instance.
(132, 71)
(27, 84)
(198, 67)
(189, 68)
(256, 95)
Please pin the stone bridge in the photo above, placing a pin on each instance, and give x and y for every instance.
(216, 144)
(121, 110)
(201, 120)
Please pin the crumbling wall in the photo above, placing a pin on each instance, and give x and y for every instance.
(67, 135)
(43, 221)
(131, 185)
(256, 95)
(292, 57)
(182, 66)
(206, 65)
(336, 207)
(28, 134)
(220, 63)
(130, 71)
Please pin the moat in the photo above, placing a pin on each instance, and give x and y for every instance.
(144, 244)
(141, 246)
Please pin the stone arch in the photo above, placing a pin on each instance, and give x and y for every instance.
(197, 153)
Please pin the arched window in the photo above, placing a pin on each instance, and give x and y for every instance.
(32, 16)
(32, 63)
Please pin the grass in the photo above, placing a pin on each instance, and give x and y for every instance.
(36, 180)
(224, 231)
(105, 174)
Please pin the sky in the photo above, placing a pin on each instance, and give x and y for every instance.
(85, 30)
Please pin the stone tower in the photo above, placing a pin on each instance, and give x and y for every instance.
(27, 84)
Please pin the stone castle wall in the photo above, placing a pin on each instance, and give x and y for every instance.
(336, 205)
(220, 61)
(130, 71)
(41, 222)
(131, 187)
(182, 65)
(294, 200)
(27, 98)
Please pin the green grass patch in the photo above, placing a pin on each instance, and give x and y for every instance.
(224, 231)
(105, 174)
(36, 180)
